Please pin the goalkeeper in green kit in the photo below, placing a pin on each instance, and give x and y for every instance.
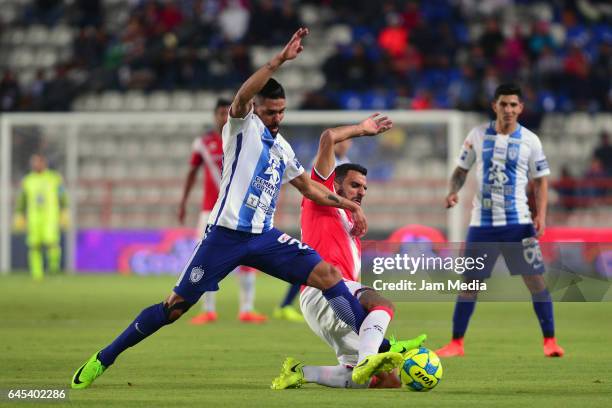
(41, 207)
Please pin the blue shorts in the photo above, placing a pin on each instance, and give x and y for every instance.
(221, 250)
(517, 244)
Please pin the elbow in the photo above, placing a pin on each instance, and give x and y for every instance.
(327, 138)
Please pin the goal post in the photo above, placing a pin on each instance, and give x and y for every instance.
(125, 170)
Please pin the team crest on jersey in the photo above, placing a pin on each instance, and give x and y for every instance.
(513, 152)
(196, 274)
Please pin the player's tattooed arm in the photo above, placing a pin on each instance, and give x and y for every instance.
(457, 181)
(321, 195)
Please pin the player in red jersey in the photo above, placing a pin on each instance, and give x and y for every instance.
(329, 233)
(207, 152)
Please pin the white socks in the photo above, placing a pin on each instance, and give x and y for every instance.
(247, 290)
(209, 303)
(331, 376)
(372, 332)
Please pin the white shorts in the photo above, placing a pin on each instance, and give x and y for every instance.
(323, 321)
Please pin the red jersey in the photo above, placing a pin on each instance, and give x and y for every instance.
(207, 150)
(328, 231)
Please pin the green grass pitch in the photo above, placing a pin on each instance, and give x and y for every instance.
(48, 329)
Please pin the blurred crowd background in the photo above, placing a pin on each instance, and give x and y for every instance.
(60, 55)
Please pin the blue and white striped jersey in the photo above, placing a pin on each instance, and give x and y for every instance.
(503, 163)
(255, 165)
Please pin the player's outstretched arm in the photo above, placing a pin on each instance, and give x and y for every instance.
(242, 101)
(325, 160)
(456, 182)
(321, 195)
(541, 195)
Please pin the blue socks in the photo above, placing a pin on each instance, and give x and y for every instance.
(461, 317)
(345, 305)
(291, 294)
(542, 305)
(148, 322)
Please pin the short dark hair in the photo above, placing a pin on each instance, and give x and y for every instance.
(272, 90)
(222, 102)
(343, 169)
(508, 89)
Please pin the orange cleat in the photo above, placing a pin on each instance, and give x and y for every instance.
(204, 318)
(452, 349)
(252, 317)
(551, 348)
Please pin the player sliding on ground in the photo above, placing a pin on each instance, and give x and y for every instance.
(328, 231)
(257, 161)
(505, 154)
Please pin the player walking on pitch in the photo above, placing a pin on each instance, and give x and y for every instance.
(328, 230)
(505, 154)
(207, 151)
(257, 161)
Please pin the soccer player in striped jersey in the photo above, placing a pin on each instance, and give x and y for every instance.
(365, 358)
(257, 161)
(506, 154)
(207, 152)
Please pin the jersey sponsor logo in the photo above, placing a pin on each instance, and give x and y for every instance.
(289, 240)
(255, 202)
(497, 175)
(196, 274)
(297, 163)
(541, 165)
(262, 184)
(497, 189)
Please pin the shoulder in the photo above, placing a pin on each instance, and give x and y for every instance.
(530, 138)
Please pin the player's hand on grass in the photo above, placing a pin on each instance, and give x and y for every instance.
(452, 199)
(360, 224)
(294, 46)
(375, 124)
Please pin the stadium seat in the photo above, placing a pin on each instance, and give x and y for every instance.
(339, 34)
(182, 101)
(134, 101)
(111, 101)
(158, 101)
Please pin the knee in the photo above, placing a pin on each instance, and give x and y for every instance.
(175, 306)
(324, 276)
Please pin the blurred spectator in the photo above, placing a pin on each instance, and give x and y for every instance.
(603, 152)
(594, 181)
(394, 37)
(567, 188)
(47, 12)
(10, 93)
(491, 39)
(234, 21)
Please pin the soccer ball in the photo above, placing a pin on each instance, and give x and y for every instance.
(422, 370)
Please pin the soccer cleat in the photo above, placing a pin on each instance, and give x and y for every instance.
(288, 313)
(452, 349)
(551, 348)
(374, 364)
(204, 318)
(404, 346)
(252, 317)
(291, 376)
(87, 373)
